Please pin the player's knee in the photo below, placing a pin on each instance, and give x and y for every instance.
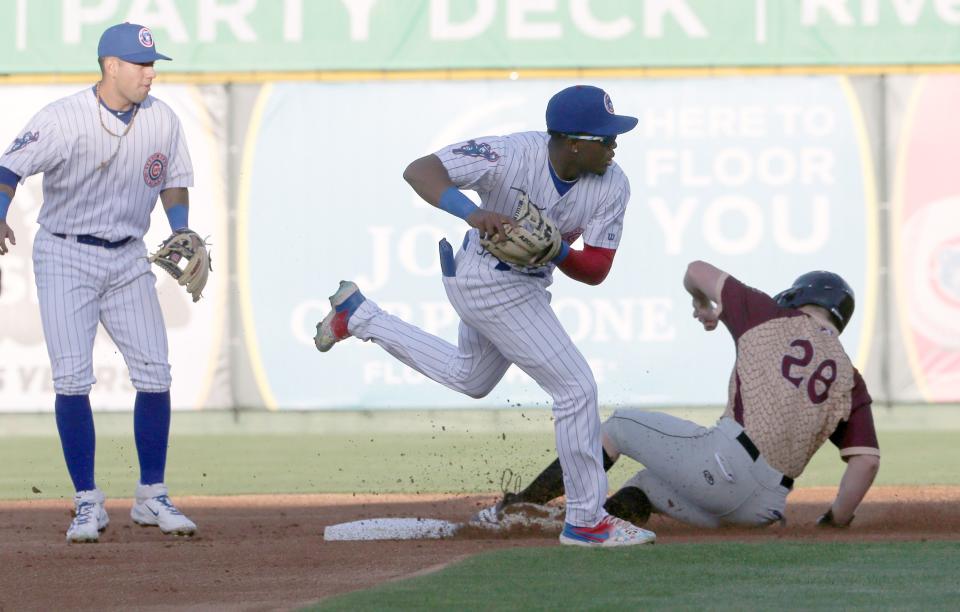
(468, 384)
(609, 443)
(477, 393)
(74, 383)
(574, 398)
(586, 391)
(588, 394)
(151, 378)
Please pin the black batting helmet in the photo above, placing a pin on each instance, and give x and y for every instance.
(824, 289)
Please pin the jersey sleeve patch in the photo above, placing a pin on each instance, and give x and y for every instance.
(21, 143)
(472, 148)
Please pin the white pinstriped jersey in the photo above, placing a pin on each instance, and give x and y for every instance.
(66, 142)
(496, 166)
(505, 313)
(78, 284)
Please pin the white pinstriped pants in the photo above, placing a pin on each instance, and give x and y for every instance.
(506, 318)
(81, 285)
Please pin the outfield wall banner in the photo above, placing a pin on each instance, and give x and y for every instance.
(51, 36)
(768, 178)
(195, 331)
(926, 237)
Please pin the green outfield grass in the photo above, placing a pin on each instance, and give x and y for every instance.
(466, 452)
(443, 459)
(721, 576)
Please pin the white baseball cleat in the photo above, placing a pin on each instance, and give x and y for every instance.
(493, 514)
(486, 517)
(90, 518)
(333, 328)
(610, 531)
(153, 507)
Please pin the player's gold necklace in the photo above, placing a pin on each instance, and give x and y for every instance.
(119, 137)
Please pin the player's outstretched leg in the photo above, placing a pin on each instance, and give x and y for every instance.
(610, 531)
(333, 328)
(153, 507)
(90, 518)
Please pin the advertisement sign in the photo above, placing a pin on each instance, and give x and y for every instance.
(767, 178)
(926, 225)
(56, 36)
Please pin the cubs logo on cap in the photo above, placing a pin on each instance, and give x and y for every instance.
(146, 38)
(130, 42)
(608, 103)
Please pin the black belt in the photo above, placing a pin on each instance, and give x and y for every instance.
(754, 452)
(100, 242)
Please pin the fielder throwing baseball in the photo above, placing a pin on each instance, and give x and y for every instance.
(539, 192)
(792, 388)
(106, 153)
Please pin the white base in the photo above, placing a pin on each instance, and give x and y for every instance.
(391, 529)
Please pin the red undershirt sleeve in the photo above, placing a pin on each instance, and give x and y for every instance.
(590, 266)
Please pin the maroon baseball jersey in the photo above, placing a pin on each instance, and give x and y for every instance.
(793, 386)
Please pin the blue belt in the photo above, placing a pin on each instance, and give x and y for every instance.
(503, 267)
(100, 242)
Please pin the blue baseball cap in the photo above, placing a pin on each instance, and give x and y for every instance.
(584, 109)
(130, 42)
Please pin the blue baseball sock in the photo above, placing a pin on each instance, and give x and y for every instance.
(351, 304)
(78, 438)
(151, 430)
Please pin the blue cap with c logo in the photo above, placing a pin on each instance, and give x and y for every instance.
(584, 109)
(130, 42)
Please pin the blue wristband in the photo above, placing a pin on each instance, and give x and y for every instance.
(177, 215)
(4, 205)
(564, 251)
(454, 202)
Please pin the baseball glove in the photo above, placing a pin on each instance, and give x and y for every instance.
(185, 245)
(534, 242)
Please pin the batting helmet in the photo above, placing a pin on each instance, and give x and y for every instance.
(824, 289)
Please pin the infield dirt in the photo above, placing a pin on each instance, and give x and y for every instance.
(268, 553)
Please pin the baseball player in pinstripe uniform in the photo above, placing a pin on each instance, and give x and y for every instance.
(792, 388)
(106, 153)
(505, 311)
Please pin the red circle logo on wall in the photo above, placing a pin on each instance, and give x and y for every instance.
(154, 169)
